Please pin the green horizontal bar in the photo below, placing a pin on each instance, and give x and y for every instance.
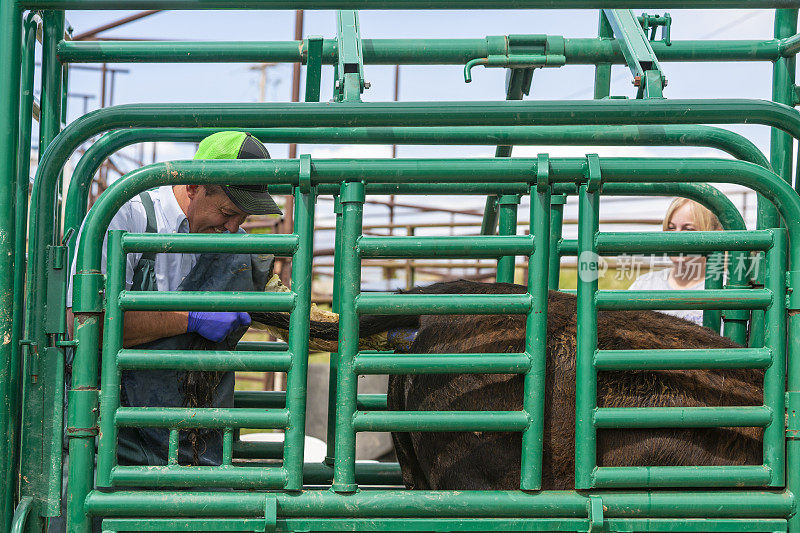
(206, 301)
(372, 402)
(681, 417)
(445, 247)
(259, 399)
(367, 473)
(192, 476)
(477, 363)
(258, 346)
(399, 4)
(241, 243)
(407, 51)
(685, 299)
(542, 525)
(682, 359)
(442, 304)
(257, 450)
(180, 418)
(682, 476)
(440, 421)
(682, 241)
(403, 503)
(204, 360)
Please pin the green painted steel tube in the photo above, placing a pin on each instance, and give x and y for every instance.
(585, 372)
(333, 364)
(257, 450)
(297, 376)
(111, 375)
(240, 361)
(441, 504)
(371, 402)
(685, 299)
(680, 476)
(775, 376)
(397, 4)
(240, 243)
(410, 51)
(442, 363)
(206, 417)
(13, 387)
(442, 304)
(366, 474)
(507, 226)
(682, 359)
(352, 202)
(10, 64)
(21, 514)
(258, 346)
(259, 399)
(681, 417)
(699, 241)
(440, 421)
(207, 301)
(557, 202)
(205, 476)
(602, 70)
(450, 247)
(536, 335)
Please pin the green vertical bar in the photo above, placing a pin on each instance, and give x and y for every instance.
(173, 448)
(536, 336)
(602, 71)
(775, 340)
(352, 198)
(334, 360)
(712, 317)
(299, 320)
(507, 213)
(735, 321)
(586, 375)
(313, 68)
(52, 77)
(227, 446)
(557, 202)
(10, 63)
(110, 374)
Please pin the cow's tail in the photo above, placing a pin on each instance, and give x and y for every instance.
(374, 330)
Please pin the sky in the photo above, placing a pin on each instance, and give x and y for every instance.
(239, 83)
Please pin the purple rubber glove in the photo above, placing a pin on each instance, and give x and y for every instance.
(216, 325)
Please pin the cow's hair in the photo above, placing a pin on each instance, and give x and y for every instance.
(491, 460)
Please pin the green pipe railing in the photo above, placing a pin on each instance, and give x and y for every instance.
(10, 65)
(398, 4)
(560, 170)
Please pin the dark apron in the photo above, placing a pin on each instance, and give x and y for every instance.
(161, 388)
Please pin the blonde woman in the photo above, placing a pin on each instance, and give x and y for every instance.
(688, 272)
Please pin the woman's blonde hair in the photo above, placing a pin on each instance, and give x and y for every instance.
(704, 220)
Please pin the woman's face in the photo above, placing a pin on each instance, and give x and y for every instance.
(682, 220)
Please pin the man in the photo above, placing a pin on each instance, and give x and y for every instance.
(188, 209)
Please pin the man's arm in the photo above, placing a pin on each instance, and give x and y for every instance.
(145, 326)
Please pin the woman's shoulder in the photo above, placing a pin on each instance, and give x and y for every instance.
(655, 279)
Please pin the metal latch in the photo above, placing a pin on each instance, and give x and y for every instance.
(270, 513)
(596, 520)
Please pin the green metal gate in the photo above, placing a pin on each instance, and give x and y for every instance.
(353, 496)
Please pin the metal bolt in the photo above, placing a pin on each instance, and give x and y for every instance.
(367, 85)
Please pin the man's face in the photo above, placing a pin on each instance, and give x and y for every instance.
(212, 213)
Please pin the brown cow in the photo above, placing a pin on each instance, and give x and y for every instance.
(491, 460)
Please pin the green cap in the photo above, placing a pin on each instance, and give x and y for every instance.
(252, 199)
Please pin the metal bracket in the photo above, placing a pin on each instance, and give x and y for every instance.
(350, 69)
(313, 61)
(82, 412)
(87, 293)
(542, 172)
(55, 317)
(652, 23)
(352, 192)
(594, 179)
(270, 513)
(793, 415)
(305, 173)
(596, 519)
(793, 290)
(639, 55)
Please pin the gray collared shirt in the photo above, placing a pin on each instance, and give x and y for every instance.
(170, 218)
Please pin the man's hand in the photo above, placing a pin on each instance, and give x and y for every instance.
(215, 326)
